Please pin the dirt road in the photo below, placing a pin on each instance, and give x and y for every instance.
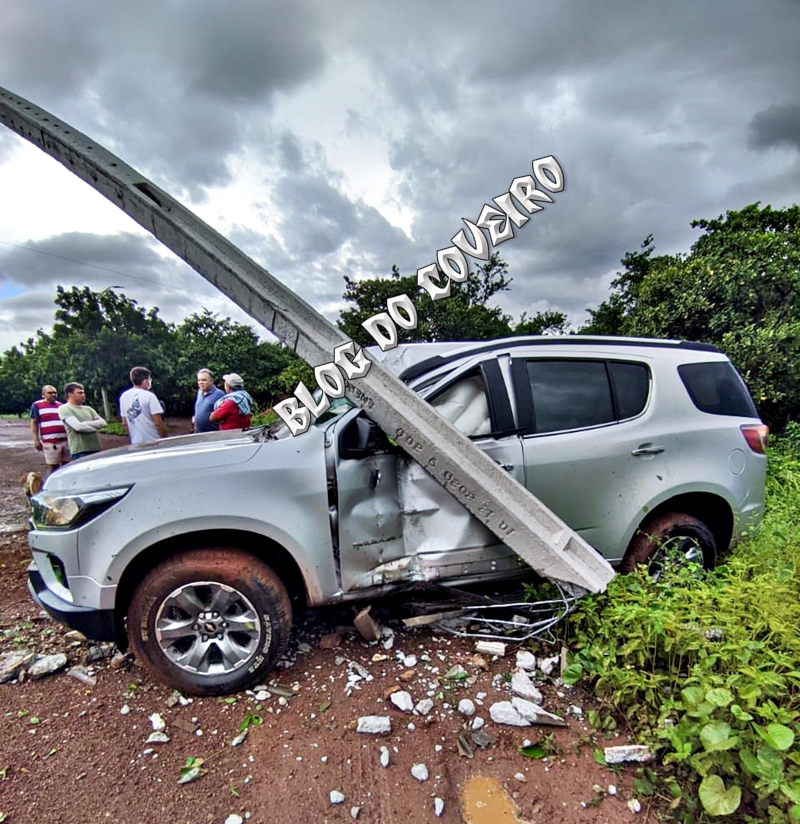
(78, 753)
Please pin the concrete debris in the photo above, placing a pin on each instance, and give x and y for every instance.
(438, 807)
(81, 675)
(385, 757)
(504, 712)
(536, 714)
(354, 811)
(628, 752)
(547, 665)
(124, 710)
(522, 685)
(234, 818)
(13, 663)
(456, 673)
(477, 723)
(402, 700)
(336, 797)
(263, 695)
(526, 660)
(424, 706)
(387, 635)
(420, 772)
(497, 648)
(158, 738)
(374, 724)
(47, 665)
(466, 707)
(367, 626)
(634, 805)
(192, 775)
(521, 777)
(575, 711)
(240, 738)
(157, 722)
(408, 661)
(612, 790)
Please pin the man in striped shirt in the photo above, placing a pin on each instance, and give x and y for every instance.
(47, 429)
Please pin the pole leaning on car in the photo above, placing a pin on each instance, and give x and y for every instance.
(506, 507)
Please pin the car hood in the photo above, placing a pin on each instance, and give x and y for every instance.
(178, 456)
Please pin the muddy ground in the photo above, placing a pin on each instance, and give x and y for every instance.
(76, 752)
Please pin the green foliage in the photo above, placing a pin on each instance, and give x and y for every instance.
(705, 666)
(465, 315)
(738, 288)
(98, 336)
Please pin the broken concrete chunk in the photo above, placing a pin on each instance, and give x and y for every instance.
(522, 685)
(374, 724)
(536, 714)
(336, 797)
(47, 665)
(628, 752)
(81, 675)
(526, 660)
(547, 665)
(634, 805)
(420, 772)
(13, 663)
(158, 738)
(456, 673)
(491, 648)
(402, 700)
(504, 712)
(234, 818)
(424, 706)
(157, 722)
(385, 756)
(366, 625)
(466, 707)
(240, 738)
(438, 807)
(354, 811)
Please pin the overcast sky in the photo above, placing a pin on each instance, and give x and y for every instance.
(327, 137)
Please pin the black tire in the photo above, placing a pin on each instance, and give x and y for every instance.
(210, 621)
(675, 531)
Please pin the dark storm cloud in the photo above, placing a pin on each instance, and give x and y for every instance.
(776, 126)
(170, 86)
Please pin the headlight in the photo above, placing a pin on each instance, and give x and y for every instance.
(58, 511)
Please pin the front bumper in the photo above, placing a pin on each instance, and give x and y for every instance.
(96, 624)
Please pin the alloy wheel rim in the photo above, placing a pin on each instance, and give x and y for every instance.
(675, 551)
(208, 628)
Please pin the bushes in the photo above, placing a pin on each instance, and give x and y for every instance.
(705, 665)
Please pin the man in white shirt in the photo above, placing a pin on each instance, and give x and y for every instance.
(141, 411)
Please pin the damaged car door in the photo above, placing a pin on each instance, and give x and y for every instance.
(394, 522)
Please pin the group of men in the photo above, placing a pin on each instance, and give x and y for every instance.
(67, 431)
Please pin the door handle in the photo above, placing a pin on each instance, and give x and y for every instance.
(648, 449)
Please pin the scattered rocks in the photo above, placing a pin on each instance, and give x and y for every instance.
(374, 724)
(47, 665)
(336, 797)
(354, 811)
(234, 818)
(526, 660)
(547, 665)
(477, 723)
(420, 772)
(466, 707)
(634, 805)
(124, 710)
(521, 713)
(628, 752)
(424, 706)
(522, 685)
(158, 738)
(497, 648)
(384, 757)
(240, 738)
(13, 663)
(402, 700)
(504, 712)
(157, 722)
(83, 676)
(438, 807)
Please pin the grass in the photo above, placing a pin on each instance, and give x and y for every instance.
(706, 666)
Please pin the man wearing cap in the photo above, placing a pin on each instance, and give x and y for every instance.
(207, 396)
(47, 430)
(233, 411)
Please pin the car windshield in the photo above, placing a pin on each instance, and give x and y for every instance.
(278, 429)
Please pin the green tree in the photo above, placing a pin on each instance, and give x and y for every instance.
(465, 315)
(542, 323)
(737, 288)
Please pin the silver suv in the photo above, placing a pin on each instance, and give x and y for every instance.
(195, 549)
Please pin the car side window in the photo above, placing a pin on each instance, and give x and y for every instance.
(631, 385)
(464, 404)
(569, 394)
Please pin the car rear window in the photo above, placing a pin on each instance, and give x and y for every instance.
(717, 389)
(631, 383)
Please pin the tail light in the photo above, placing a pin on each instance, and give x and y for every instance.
(756, 435)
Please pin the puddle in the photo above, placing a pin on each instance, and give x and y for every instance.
(484, 801)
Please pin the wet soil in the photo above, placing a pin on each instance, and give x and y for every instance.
(77, 753)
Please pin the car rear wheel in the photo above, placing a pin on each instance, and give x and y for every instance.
(210, 621)
(673, 538)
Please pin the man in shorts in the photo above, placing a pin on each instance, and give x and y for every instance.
(47, 430)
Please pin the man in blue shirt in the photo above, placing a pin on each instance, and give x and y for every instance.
(207, 396)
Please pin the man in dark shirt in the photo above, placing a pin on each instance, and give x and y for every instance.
(207, 395)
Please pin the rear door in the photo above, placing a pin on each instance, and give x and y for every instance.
(591, 442)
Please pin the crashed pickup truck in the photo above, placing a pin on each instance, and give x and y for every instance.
(196, 549)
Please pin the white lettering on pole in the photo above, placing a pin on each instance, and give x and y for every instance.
(350, 363)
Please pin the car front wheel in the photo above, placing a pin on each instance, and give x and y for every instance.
(673, 538)
(210, 621)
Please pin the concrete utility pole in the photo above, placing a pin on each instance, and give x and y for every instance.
(507, 508)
